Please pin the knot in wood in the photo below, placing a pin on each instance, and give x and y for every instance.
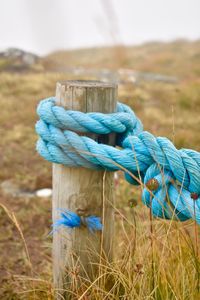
(83, 221)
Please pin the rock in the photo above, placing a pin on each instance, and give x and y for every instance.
(22, 56)
(11, 188)
(44, 193)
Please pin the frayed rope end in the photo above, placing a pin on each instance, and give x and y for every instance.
(70, 219)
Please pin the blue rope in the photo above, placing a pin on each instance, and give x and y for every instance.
(171, 177)
(71, 220)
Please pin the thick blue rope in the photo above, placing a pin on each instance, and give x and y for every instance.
(171, 177)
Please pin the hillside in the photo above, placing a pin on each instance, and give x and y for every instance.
(179, 58)
(166, 108)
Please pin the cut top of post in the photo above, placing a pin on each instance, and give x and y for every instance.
(87, 96)
(88, 83)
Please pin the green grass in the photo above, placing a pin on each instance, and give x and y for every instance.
(154, 259)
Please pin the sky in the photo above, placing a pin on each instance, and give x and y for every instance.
(43, 26)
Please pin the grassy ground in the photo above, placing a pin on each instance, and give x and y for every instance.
(155, 259)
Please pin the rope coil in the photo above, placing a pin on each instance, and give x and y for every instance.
(143, 157)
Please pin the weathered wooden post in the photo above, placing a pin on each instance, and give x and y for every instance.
(84, 191)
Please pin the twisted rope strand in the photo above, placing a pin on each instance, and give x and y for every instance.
(175, 172)
(99, 123)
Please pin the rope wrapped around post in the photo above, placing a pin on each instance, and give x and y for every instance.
(170, 177)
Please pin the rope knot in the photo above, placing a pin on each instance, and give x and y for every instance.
(171, 177)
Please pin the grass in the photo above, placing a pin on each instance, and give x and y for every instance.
(179, 58)
(154, 259)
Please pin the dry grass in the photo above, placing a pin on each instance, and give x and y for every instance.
(154, 259)
(179, 58)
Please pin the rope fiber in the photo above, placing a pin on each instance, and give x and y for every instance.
(170, 177)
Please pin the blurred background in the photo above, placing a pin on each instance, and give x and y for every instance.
(45, 26)
(152, 50)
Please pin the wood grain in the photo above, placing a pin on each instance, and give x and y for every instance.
(84, 191)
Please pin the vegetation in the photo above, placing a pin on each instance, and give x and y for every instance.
(154, 259)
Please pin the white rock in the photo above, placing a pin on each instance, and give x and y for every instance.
(44, 193)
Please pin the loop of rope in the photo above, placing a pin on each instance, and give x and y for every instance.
(174, 174)
(122, 121)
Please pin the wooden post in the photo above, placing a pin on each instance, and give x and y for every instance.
(84, 191)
